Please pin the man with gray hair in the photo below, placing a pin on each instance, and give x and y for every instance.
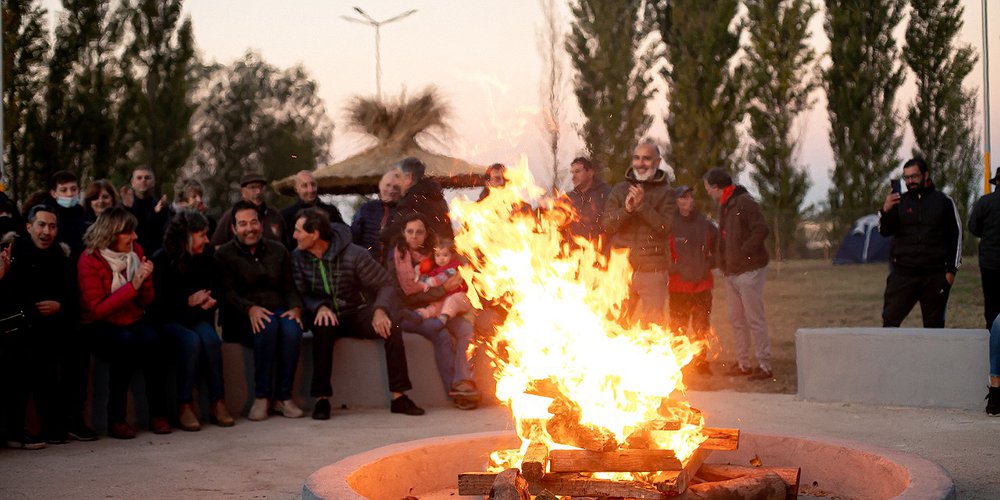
(373, 215)
(420, 195)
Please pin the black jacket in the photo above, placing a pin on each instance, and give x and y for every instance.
(424, 197)
(367, 225)
(151, 224)
(926, 231)
(344, 279)
(174, 283)
(288, 215)
(71, 223)
(36, 275)
(692, 243)
(742, 231)
(985, 223)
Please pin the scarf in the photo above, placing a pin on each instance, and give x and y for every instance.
(406, 272)
(123, 266)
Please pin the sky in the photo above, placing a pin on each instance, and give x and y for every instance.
(483, 56)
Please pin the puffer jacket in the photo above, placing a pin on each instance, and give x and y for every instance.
(344, 279)
(926, 231)
(742, 232)
(644, 231)
(985, 223)
(122, 307)
(367, 225)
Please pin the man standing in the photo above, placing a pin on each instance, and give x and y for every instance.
(926, 248)
(743, 259)
(692, 241)
(332, 274)
(139, 197)
(420, 195)
(261, 309)
(588, 197)
(637, 217)
(985, 224)
(252, 189)
(307, 192)
(374, 215)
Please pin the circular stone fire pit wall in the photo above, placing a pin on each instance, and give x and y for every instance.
(838, 468)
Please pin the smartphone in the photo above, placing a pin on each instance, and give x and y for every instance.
(895, 185)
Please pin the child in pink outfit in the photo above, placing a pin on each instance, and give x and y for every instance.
(434, 272)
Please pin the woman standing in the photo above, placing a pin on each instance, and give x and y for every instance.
(115, 289)
(99, 196)
(186, 284)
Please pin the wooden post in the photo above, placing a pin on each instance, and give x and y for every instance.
(535, 461)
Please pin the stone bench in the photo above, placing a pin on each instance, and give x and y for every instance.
(893, 366)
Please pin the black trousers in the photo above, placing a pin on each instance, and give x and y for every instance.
(904, 289)
(991, 294)
(28, 368)
(690, 313)
(74, 370)
(357, 325)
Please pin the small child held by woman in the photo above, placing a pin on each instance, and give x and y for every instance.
(434, 272)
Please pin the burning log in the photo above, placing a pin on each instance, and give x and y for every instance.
(613, 461)
(674, 482)
(509, 485)
(718, 439)
(765, 486)
(722, 472)
(565, 484)
(565, 427)
(535, 461)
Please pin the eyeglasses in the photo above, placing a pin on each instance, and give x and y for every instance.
(914, 177)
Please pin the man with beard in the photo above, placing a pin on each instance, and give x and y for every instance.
(926, 248)
(374, 215)
(420, 195)
(253, 186)
(307, 192)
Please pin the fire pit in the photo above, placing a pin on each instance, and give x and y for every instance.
(427, 469)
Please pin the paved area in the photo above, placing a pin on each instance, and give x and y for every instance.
(271, 459)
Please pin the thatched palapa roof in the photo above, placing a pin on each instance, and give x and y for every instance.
(395, 126)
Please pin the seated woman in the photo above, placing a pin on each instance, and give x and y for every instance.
(115, 289)
(451, 340)
(99, 196)
(186, 283)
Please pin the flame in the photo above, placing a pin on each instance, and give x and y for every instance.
(564, 299)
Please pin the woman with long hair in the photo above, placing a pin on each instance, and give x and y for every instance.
(99, 196)
(186, 283)
(115, 289)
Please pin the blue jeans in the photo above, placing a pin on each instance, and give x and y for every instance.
(197, 342)
(451, 344)
(276, 350)
(995, 348)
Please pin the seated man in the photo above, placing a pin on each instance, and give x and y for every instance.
(331, 273)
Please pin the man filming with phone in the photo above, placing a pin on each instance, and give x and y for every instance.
(926, 248)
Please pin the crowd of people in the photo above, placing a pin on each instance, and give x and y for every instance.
(142, 283)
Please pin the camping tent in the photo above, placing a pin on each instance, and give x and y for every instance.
(863, 243)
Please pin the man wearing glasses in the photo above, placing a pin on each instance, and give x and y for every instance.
(926, 248)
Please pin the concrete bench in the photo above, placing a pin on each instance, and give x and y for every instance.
(893, 366)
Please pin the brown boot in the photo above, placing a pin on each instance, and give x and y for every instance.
(187, 418)
(219, 414)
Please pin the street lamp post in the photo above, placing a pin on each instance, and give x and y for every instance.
(378, 40)
(986, 103)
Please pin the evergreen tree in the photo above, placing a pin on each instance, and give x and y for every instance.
(861, 84)
(25, 48)
(943, 131)
(781, 72)
(157, 108)
(609, 50)
(705, 101)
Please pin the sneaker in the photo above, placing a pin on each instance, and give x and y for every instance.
(464, 388)
(405, 405)
(761, 374)
(258, 411)
(160, 425)
(187, 419)
(287, 409)
(219, 415)
(993, 402)
(322, 409)
(80, 432)
(738, 371)
(26, 442)
(57, 438)
(466, 403)
(121, 430)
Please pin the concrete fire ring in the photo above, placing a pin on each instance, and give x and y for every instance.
(830, 467)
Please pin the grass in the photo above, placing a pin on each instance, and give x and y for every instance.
(817, 294)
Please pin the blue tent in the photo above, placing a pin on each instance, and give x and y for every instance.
(864, 244)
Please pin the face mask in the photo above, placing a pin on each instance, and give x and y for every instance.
(68, 202)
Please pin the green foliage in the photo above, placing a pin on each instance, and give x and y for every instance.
(705, 100)
(609, 50)
(943, 114)
(256, 117)
(25, 49)
(781, 72)
(861, 84)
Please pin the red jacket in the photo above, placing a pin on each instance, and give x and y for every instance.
(123, 307)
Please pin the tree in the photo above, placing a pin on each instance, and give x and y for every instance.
(609, 50)
(781, 72)
(861, 84)
(943, 129)
(705, 103)
(551, 48)
(256, 117)
(156, 107)
(25, 47)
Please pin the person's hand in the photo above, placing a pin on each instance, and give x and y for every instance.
(950, 277)
(5, 260)
(453, 283)
(208, 304)
(128, 196)
(259, 318)
(48, 307)
(634, 199)
(198, 298)
(381, 323)
(325, 317)
(891, 200)
(144, 271)
(294, 314)
(160, 204)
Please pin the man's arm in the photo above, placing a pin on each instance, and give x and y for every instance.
(229, 269)
(313, 301)
(370, 274)
(757, 228)
(614, 214)
(953, 235)
(977, 217)
(660, 216)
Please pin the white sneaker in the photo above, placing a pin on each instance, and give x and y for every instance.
(288, 409)
(258, 411)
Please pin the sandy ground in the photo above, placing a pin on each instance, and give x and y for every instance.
(271, 459)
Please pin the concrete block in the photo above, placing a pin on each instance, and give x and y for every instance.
(893, 366)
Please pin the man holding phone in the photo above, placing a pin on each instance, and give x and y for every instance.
(926, 248)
